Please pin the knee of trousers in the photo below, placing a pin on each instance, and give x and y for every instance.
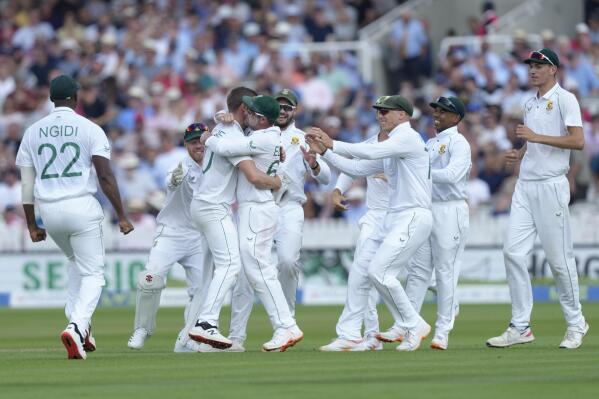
(376, 275)
(150, 282)
(288, 263)
(514, 258)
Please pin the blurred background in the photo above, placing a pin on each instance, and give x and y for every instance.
(150, 68)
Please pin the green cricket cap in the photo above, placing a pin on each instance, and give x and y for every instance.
(63, 87)
(264, 105)
(288, 95)
(394, 102)
(543, 56)
(450, 104)
(194, 131)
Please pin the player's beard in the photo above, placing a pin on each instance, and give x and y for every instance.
(284, 125)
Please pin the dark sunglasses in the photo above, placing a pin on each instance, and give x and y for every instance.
(446, 103)
(537, 55)
(383, 111)
(196, 127)
(286, 107)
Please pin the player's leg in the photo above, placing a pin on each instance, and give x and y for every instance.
(198, 272)
(203, 259)
(518, 245)
(242, 302)
(448, 238)
(552, 218)
(257, 224)
(358, 286)
(288, 243)
(150, 283)
(349, 326)
(420, 272)
(217, 226)
(407, 231)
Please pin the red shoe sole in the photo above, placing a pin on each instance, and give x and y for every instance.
(212, 343)
(70, 346)
(382, 339)
(283, 348)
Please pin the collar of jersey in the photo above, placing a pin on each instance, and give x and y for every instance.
(550, 92)
(57, 109)
(405, 126)
(448, 132)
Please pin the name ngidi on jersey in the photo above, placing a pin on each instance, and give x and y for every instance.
(60, 147)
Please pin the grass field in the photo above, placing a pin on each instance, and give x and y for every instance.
(33, 362)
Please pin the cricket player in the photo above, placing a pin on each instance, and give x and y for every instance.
(289, 230)
(407, 225)
(176, 240)
(56, 158)
(451, 161)
(258, 216)
(212, 214)
(552, 127)
(349, 337)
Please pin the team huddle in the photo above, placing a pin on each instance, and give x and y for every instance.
(417, 218)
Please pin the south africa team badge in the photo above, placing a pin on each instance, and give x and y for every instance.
(442, 149)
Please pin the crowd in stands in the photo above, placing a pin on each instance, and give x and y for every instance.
(150, 68)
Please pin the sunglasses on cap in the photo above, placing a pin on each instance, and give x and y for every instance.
(537, 55)
(287, 107)
(196, 127)
(446, 103)
(256, 113)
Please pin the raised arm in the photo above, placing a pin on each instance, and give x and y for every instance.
(459, 164)
(319, 170)
(238, 146)
(354, 167)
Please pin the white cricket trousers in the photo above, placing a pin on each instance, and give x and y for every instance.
(75, 225)
(257, 224)
(215, 222)
(362, 297)
(188, 248)
(541, 207)
(388, 251)
(442, 252)
(288, 243)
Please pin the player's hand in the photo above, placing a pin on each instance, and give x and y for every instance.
(224, 117)
(309, 157)
(282, 154)
(315, 145)
(37, 234)
(524, 133)
(205, 136)
(176, 176)
(125, 226)
(512, 157)
(320, 136)
(337, 200)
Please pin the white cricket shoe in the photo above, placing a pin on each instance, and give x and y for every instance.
(138, 339)
(282, 339)
(440, 342)
(368, 344)
(340, 345)
(394, 334)
(414, 337)
(89, 343)
(73, 342)
(573, 337)
(206, 333)
(511, 336)
(237, 347)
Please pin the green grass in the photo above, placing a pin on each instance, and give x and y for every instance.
(33, 364)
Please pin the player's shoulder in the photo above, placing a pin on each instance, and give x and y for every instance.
(567, 96)
(222, 129)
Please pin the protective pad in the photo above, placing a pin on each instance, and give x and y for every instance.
(149, 288)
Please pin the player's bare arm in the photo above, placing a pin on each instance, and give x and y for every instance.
(574, 140)
(258, 178)
(27, 184)
(111, 189)
(35, 232)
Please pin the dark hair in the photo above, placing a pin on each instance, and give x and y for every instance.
(234, 99)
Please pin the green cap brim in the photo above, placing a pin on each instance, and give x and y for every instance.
(249, 102)
(529, 60)
(443, 107)
(191, 136)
